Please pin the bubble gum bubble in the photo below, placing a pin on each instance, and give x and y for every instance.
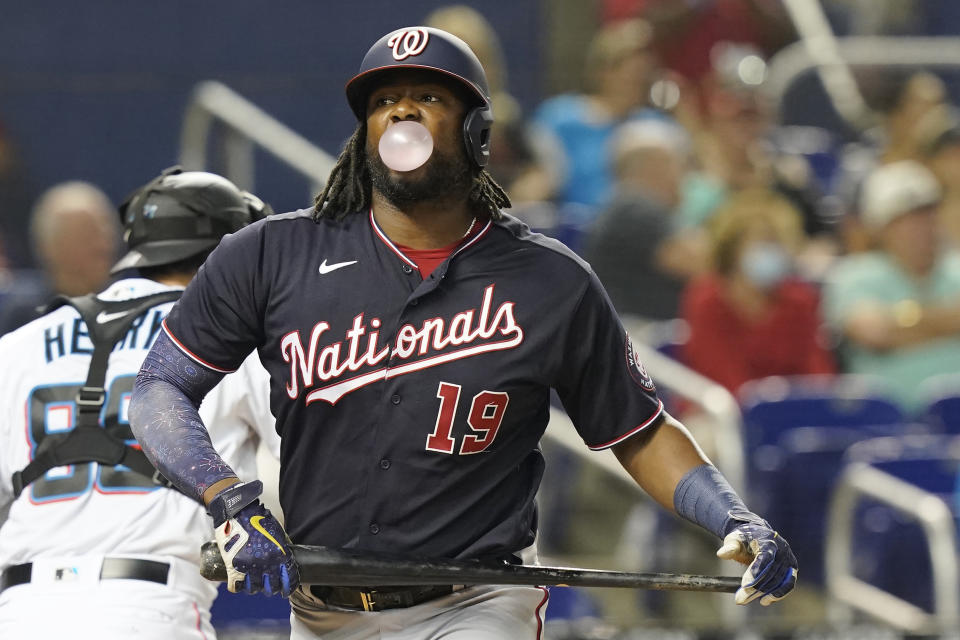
(405, 145)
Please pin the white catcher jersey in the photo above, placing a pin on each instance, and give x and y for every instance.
(94, 509)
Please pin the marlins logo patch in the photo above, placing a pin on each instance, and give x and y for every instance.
(637, 372)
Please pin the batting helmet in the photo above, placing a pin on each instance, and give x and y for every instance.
(178, 215)
(434, 50)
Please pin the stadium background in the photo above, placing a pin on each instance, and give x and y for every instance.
(97, 91)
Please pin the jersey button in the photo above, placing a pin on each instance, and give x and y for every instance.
(407, 268)
(395, 399)
(384, 464)
(374, 528)
(414, 302)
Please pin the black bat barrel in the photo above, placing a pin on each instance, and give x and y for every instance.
(320, 565)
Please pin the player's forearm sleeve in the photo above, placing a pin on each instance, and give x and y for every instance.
(166, 423)
(705, 497)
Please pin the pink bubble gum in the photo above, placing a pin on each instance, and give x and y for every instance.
(405, 145)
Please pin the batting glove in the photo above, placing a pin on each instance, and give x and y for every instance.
(772, 568)
(254, 546)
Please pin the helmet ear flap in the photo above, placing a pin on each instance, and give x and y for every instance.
(476, 134)
(257, 208)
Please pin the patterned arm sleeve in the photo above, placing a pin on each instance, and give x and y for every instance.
(166, 423)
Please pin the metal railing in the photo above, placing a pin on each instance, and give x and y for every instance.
(247, 126)
(716, 403)
(847, 592)
(820, 46)
(796, 59)
(831, 58)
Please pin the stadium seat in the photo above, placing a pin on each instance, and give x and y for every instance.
(942, 405)
(772, 407)
(572, 603)
(819, 146)
(776, 404)
(890, 551)
(245, 611)
(810, 458)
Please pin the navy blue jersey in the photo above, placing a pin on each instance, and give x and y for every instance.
(410, 410)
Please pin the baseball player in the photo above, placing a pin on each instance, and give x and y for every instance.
(413, 332)
(96, 544)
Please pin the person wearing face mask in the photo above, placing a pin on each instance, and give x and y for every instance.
(751, 316)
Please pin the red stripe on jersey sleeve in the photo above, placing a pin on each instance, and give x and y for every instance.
(633, 431)
(191, 354)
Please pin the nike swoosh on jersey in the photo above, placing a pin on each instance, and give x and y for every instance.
(103, 317)
(327, 268)
(255, 522)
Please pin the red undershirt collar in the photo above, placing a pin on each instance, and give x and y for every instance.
(429, 259)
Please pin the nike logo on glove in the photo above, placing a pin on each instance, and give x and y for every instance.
(255, 523)
(327, 268)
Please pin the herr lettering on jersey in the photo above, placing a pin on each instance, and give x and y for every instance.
(474, 331)
(72, 338)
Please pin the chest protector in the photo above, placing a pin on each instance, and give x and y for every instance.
(107, 322)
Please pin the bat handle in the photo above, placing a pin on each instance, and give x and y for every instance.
(212, 566)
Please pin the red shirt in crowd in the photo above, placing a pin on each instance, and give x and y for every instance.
(731, 349)
(688, 51)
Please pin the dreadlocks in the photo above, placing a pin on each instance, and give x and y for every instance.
(348, 188)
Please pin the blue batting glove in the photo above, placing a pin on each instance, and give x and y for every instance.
(254, 546)
(772, 568)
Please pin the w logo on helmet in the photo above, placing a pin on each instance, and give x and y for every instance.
(410, 42)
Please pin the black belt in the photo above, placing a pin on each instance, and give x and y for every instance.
(110, 569)
(378, 598)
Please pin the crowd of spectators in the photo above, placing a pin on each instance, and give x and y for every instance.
(673, 173)
(665, 173)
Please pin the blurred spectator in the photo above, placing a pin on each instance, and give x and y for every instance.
(734, 144)
(74, 230)
(904, 101)
(14, 204)
(942, 155)
(751, 317)
(618, 72)
(685, 33)
(898, 308)
(635, 247)
(515, 160)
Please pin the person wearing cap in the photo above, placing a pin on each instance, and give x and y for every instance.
(897, 308)
(414, 332)
(96, 544)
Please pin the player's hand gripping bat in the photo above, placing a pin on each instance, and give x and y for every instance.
(332, 567)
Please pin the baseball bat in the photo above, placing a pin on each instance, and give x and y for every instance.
(334, 567)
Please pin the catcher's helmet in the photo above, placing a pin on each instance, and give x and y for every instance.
(178, 215)
(435, 50)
